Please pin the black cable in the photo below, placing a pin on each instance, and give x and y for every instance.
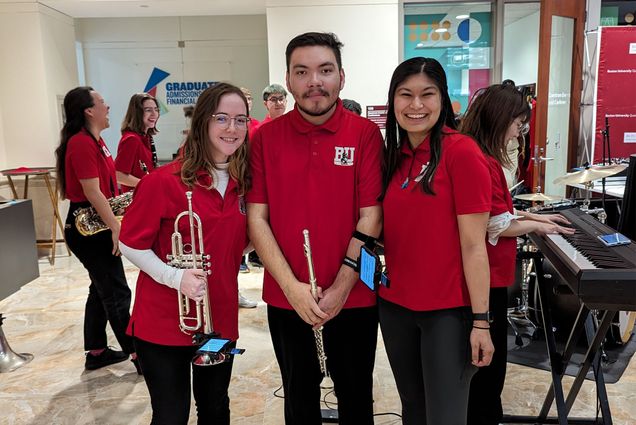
(277, 390)
(333, 405)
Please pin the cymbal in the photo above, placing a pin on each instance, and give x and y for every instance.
(538, 197)
(588, 174)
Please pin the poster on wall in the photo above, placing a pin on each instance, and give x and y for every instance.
(459, 39)
(615, 88)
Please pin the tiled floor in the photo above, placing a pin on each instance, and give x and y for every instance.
(45, 318)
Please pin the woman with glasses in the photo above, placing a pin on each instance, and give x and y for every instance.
(213, 166)
(496, 115)
(275, 100)
(136, 153)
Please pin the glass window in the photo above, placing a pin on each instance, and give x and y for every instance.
(459, 36)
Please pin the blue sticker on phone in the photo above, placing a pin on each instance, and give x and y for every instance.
(214, 345)
(368, 267)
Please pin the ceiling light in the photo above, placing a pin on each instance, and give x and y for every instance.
(462, 17)
(441, 30)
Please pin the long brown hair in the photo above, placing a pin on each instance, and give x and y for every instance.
(196, 153)
(491, 112)
(134, 119)
(76, 102)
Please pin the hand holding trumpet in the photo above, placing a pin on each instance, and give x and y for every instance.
(194, 284)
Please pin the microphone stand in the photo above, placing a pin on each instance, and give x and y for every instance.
(606, 142)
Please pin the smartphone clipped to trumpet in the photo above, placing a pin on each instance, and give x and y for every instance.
(614, 239)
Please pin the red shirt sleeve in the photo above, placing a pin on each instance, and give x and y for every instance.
(500, 191)
(470, 176)
(258, 191)
(83, 157)
(142, 221)
(127, 153)
(370, 177)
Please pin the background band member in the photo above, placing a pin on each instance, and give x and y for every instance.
(496, 115)
(317, 167)
(436, 203)
(275, 100)
(136, 153)
(213, 165)
(86, 177)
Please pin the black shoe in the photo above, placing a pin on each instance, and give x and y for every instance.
(254, 259)
(137, 366)
(107, 357)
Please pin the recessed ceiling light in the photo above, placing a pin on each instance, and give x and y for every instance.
(462, 17)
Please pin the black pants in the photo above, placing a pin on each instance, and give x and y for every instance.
(167, 372)
(108, 294)
(350, 342)
(430, 355)
(484, 407)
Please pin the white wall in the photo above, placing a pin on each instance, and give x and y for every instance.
(119, 55)
(521, 50)
(368, 29)
(38, 63)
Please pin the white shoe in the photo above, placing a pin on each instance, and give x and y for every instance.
(245, 303)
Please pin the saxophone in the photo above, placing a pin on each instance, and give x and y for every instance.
(88, 222)
(320, 346)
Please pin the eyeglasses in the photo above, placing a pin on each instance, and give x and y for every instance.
(224, 120)
(524, 128)
(280, 99)
(151, 110)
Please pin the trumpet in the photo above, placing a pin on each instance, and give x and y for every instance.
(187, 257)
(320, 346)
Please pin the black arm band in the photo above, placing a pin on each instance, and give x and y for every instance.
(365, 239)
(351, 263)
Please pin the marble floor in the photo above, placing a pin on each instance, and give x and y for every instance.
(45, 318)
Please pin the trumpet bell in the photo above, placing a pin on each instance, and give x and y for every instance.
(10, 360)
(209, 359)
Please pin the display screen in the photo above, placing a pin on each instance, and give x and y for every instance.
(368, 266)
(214, 345)
(614, 239)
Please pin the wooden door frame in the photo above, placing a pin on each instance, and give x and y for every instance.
(574, 9)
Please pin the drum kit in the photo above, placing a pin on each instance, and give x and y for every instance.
(522, 313)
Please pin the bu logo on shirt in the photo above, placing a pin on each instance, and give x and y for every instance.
(344, 156)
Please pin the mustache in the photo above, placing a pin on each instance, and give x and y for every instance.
(313, 92)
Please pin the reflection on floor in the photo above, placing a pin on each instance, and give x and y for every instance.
(45, 318)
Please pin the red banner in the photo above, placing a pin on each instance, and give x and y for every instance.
(616, 92)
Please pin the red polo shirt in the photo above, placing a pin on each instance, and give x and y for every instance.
(252, 127)
(149, 224)
(133, 148)
(502, 257)
(316, 178)
(87, 158)
(421, 235)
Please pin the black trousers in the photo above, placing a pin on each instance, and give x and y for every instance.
(350, 342)
(484, 407)
(430, 355)
(108, 294)
(167, 371)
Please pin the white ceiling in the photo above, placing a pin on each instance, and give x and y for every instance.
(136, 8)
(146, 8)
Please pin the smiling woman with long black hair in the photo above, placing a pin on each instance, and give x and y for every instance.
(86, 177)
(436, 203)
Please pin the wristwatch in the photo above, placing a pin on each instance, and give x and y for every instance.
(487, 316)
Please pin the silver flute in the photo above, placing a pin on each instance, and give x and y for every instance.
(320, 346)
